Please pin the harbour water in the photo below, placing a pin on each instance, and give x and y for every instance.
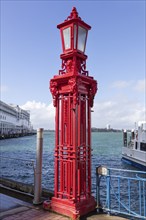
(17, 153)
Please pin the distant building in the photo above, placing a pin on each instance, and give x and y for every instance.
(108, 127)
(14, 120)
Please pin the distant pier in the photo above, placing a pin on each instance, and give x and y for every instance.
(16, 135)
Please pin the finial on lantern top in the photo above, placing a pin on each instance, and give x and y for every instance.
(73, 14)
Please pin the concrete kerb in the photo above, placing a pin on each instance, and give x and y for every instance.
(23, 188)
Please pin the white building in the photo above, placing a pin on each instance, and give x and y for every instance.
(108, 127)
(14, 120)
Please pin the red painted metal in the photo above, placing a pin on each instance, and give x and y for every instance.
(73, 91)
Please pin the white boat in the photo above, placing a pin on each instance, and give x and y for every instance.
(134, 146)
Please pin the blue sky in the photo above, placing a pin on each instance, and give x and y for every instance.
(31, 48)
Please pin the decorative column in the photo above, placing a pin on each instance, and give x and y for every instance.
(73, 91)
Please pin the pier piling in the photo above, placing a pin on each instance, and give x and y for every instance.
(38, 169)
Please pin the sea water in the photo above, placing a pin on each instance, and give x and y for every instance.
(17, 154)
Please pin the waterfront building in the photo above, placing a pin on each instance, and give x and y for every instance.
(108, 127)
(14, 120)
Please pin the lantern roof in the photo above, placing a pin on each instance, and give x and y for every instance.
(73, 17)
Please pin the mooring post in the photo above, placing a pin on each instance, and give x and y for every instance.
(100, 171)
(38, 169)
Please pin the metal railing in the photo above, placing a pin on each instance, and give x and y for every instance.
(28, 162)
(121, 191)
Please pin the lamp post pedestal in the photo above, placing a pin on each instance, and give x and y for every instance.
(73, 91)
(72, 209)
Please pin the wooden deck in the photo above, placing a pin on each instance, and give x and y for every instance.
(16, 209)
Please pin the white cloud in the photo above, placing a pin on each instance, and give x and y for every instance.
(42, 115)
(121, 84)
(140, 86)
(119, 113)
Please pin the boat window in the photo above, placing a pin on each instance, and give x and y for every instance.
(143, 146)
(136, 145)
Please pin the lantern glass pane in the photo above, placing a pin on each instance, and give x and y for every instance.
(66, 36)
(75, 36)
(82, 32)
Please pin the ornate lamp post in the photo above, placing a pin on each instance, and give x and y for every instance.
(73, 91)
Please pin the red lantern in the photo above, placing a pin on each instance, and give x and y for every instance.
(74, 33)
